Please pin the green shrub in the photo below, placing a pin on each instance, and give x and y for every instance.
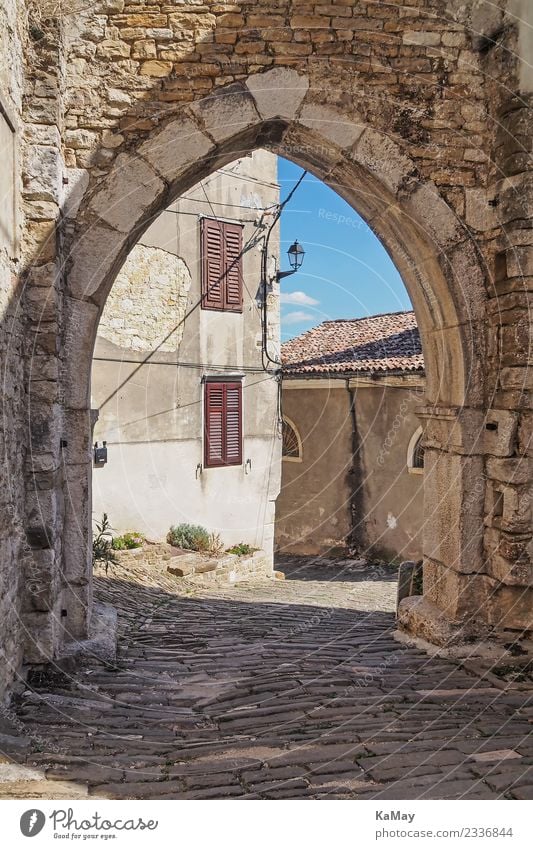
(103, 543)
(191, 537)
(132, 539)
(241, 549)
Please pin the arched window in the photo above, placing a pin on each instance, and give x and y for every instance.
(291, 443)
(415, 453)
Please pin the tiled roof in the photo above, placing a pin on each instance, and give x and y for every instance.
(380, 343)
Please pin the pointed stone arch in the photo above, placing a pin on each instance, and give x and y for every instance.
(432, 248)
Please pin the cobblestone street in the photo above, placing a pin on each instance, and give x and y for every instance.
(283, 689)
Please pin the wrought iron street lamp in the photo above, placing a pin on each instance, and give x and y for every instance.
(296, 257)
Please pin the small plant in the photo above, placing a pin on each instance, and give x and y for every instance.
(132, 539)
(189, 537)
(241, 549)
(103, 543)
(216, 546)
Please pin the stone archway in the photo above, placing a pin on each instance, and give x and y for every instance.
(420, 118)
(429, 244)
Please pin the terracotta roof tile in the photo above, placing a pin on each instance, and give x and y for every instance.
(379, 343)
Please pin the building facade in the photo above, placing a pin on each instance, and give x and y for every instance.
(186, 410)
(352, 468)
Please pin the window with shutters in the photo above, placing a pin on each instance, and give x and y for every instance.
(221, 255)
(222, 424)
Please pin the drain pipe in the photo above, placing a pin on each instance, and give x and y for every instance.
(357, 509)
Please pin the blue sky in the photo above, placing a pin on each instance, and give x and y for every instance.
(346, 271)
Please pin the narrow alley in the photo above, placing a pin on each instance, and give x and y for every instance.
(290, 688)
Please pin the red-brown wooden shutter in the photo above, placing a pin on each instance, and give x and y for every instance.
(233, 423)
(233, 267)
(212, 247)
(214, 424)
(223, 424)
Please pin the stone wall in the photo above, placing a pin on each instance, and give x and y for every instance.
(13, 437)
(146, 306)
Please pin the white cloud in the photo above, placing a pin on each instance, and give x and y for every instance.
(296, 316)
(299, 298)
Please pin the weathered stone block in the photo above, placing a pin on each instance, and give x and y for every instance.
(79, 139)
(40, 241)
(511, 607)
(331, 124)
(516, 377)
(77, 430)
(81, 322)
(459, 596)
(76, 603)
(41, 303)
(457, 430)
(92, 256)
(419, 37)
(525, 433)
(156, 68)
(42, 173)
(40, 636)
(111, 49)
(144, 49)
(130, 189)
(278, 92)
(380, 155)
(518, 574)
(480, 214)
(499, 434)
(41, 579)
(422, 618)
(517, 470)
(180, 144)
(77, 181)
(44, 275)
(227, 112)
(454, 490)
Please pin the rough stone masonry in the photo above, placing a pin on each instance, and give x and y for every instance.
(418, 113)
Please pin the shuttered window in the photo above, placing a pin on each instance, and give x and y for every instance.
(223, 424)
(221, 254)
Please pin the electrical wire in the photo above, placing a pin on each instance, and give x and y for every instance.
(264, 271)
(251, 369)
(221, 203)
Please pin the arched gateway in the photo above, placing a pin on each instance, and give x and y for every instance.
(405, 125)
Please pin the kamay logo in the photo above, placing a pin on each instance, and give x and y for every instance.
(32, 822)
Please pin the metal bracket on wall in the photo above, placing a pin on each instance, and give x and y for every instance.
(248, 467)
(199, 470)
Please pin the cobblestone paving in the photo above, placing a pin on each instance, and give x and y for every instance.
(284, 689)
